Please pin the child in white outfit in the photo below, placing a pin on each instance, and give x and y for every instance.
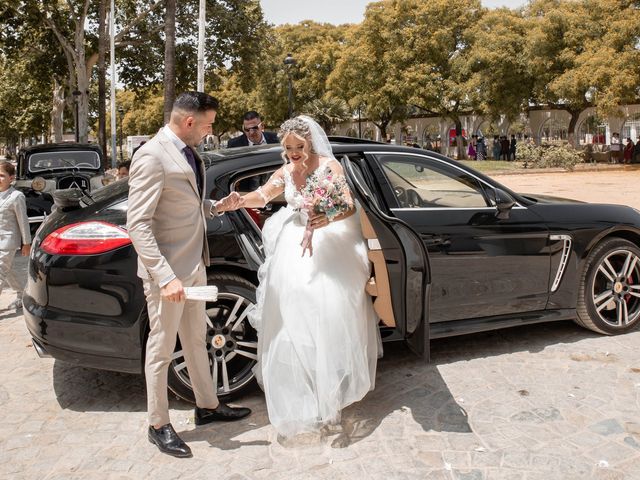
(14, 230)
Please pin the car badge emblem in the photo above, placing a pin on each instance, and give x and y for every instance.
(218, 341)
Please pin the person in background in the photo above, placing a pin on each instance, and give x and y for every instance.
(636, 152)
(615, 147)
(481, 149)
(512, 148)
(137, 148)
(254, 133)
(628, 151)
(504, 148)
(471, 150)
(496, 147)
(123, 169)
(14, 230)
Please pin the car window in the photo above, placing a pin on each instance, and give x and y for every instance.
(250, 182)
(63, 160)
(420, 183)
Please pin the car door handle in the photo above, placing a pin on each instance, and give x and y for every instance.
(435, 241)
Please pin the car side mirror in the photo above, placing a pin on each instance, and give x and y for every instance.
(504, 203)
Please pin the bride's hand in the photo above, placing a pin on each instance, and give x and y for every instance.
(307, 241)
(318, 220)
(233, 201)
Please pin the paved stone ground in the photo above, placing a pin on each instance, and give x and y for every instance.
(539, 402)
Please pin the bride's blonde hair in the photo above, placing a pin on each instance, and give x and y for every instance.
(298, 127)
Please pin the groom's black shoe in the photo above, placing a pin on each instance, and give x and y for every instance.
(222, 413)
(168, 441)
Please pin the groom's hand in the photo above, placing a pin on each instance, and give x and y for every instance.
(173, 291)
(233, 201)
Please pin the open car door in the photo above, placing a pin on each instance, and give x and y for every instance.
(401, 276)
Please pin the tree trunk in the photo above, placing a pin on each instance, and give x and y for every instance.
(102, 72)
(82, 84)
(57, 110)
(383, 131)
(169, 58)
(571, 130)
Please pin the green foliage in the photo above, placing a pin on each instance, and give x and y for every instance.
(560, 155)
(235, 31)
(328, 111)
(584, 53)
(500, 68)
(365, 75)
(234, 102)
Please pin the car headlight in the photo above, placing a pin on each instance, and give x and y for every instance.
(38, 184)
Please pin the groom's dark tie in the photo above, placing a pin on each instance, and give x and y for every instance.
(192, 161)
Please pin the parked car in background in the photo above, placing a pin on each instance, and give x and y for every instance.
(453, 252)
(42, 169)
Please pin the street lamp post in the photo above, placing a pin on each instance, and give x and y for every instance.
(359, 121)
(76, 93)
(121, 112)
(290, 62)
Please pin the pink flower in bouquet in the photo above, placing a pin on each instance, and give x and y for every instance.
(323, 193)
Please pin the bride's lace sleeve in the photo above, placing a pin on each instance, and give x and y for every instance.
(273, 187)
(339, 179)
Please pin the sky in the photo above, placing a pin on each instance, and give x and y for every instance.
(336, 11)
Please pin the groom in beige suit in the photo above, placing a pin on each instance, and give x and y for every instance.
(166, 223)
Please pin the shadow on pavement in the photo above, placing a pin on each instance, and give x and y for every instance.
(404, 383)
(408, 384)
(88, 390)
(8, 314)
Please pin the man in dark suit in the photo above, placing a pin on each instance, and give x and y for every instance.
(254, 133)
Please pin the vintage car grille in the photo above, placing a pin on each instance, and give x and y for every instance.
(73, 182)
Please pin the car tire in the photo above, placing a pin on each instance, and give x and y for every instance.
(232, 342)
(608, 294)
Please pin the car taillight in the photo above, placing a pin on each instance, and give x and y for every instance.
(86, 238)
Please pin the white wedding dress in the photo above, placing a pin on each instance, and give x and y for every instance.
(318, 339)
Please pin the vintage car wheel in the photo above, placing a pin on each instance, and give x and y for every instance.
(609, 291)
(232, 342)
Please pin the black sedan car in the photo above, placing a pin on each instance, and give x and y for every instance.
(44, 168)
(452, 252)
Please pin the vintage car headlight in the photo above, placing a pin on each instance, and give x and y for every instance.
(38, 184)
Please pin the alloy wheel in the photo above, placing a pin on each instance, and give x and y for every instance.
(615, 290)
(232, 345)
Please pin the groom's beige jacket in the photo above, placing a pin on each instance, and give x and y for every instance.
(166, 212)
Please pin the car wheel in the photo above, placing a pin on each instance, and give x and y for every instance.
(232, 343)
(609, 291)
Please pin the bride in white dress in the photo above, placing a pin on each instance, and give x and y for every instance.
(318, 340)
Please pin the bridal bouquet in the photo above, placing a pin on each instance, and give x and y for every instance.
(324, 193)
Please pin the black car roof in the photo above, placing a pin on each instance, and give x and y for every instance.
(339, 147)
(52, 147)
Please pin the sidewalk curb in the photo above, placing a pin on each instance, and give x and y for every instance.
(579, 168)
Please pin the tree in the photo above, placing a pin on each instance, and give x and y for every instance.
(500, 75)
(328, 111)
(233, 29)
(362, 74)
(234, 102)
(169, 57)
(24, 101)
(102, 73)
(429, 54)
(315, 47)
(24, 44)
(584, 54)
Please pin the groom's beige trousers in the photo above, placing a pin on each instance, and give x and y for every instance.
(188, 320)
